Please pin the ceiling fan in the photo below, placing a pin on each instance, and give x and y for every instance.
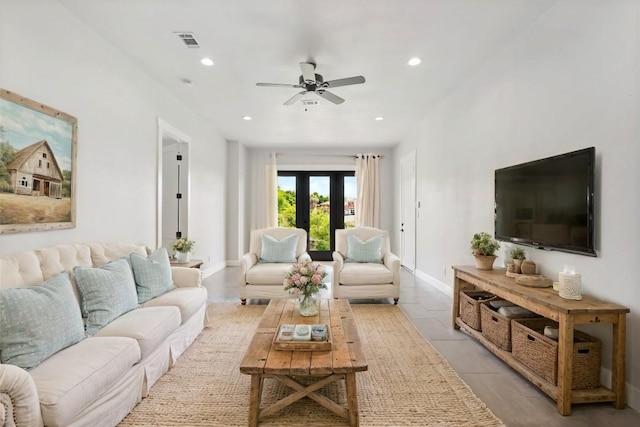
(309, 81)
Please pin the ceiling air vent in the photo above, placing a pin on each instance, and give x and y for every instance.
(188, 40)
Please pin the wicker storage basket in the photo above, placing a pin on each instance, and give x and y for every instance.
(540, 353)
(496, 327)
(470, 302)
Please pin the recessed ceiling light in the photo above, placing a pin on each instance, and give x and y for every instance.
(414, 61)
(207, 61)
(379, 118)
(246, 118)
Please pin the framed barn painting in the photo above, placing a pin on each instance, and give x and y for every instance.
(37, 166)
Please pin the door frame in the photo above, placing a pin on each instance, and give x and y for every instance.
(408, 211)
(169, 132)
(336, 210)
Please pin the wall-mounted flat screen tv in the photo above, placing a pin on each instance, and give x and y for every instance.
(548, 203)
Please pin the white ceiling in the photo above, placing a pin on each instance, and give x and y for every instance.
(264, 40)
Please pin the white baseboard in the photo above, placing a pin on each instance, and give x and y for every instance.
(233, 263)
(632, 392)
(441, 286)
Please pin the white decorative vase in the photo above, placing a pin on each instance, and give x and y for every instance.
(183, 256)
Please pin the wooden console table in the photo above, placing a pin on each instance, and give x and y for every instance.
(546, 302)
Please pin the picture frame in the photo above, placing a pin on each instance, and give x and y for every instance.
(38, 150)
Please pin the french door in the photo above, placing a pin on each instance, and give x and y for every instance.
(305, 201)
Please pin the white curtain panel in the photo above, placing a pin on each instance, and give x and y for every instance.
(368, 197)
(264, 202)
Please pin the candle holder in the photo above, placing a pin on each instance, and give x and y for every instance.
(570, 284)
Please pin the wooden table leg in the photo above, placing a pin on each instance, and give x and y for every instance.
(352, 399)
(254, 399)
(618, 366)
(565, 364)
(456, 302)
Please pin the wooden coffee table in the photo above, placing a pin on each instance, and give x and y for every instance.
(346, 358)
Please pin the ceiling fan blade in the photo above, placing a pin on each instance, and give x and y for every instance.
(344, 82)
(278, 85)
(295, 97)
(330, 97)
(308, 72)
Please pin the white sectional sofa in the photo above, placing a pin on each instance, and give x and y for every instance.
(102, 375)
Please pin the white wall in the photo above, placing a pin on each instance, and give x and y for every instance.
(47, 55)
(569, 81)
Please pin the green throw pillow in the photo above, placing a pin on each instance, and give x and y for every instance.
(106, 293)
(152, 274)
(38, 321)
(369, 251)
(274, 250)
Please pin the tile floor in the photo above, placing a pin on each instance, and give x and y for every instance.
(512, 398)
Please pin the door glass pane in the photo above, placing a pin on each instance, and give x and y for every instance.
(350, 194)
(287, 201)
(319, 213)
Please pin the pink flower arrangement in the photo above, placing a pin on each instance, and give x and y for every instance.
(305, 277)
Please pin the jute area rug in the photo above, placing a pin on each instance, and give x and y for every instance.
(408, 383)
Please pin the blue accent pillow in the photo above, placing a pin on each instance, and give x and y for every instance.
(107, 292)
(38, 321)
(369, 251)
(152, 274)
(274, 250)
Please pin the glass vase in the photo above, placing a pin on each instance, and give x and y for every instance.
(308, 303)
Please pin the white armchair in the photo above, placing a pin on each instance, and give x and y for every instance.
(368, 269)
(263, 278)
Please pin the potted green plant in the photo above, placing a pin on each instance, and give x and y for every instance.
(182, 248)
(484, 248)
(517, 255)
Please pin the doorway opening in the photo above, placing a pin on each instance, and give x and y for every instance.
(173, 191)
(305, 201)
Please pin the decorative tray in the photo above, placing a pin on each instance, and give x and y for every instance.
(534, 281)
(303, 337)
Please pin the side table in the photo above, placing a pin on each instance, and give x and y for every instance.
(194, 263)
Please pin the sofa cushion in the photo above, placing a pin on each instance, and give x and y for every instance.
(21, 269)
(267, 274)
(365, 274)
(106, 292)
(74, 377)
(274, 250)
(152, 274)
(359, 251)
(149, 326)
(104, 253)
(188, 301)
(38, 321)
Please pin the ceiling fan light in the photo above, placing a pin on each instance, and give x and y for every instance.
(414, 61)
(206, 61)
